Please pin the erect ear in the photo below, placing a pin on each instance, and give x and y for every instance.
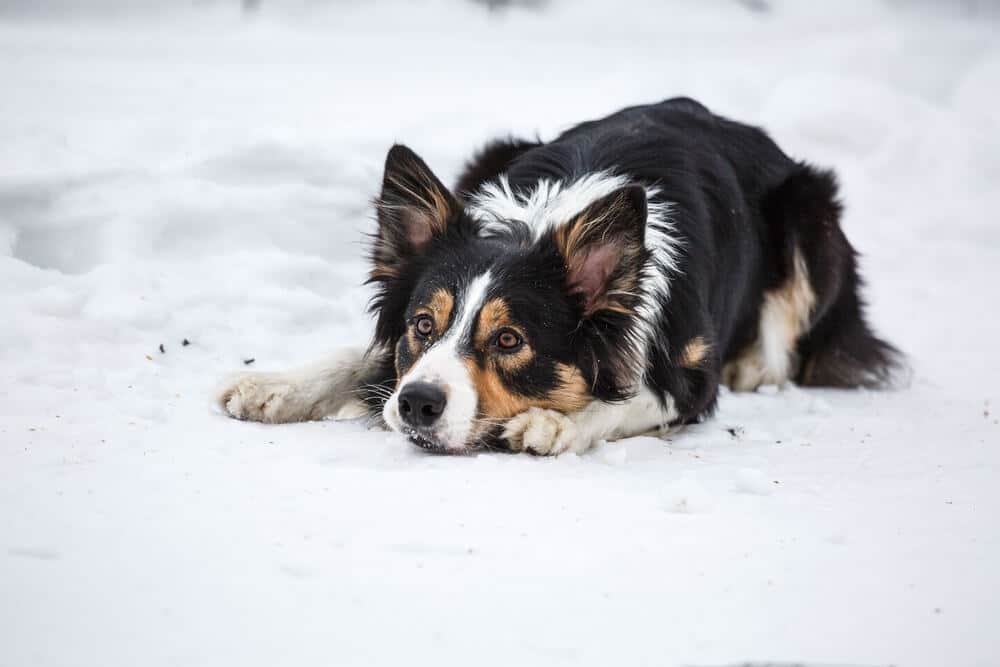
(412, 208)
(604, 250)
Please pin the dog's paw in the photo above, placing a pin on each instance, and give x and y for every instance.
(263, 398)
(544, 432)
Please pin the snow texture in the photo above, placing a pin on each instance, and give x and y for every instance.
(201, 175)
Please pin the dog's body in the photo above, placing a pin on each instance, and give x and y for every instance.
(598, 286)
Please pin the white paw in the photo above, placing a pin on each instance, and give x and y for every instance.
(263, 398)
(544, 432)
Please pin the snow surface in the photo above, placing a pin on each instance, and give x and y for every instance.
(172, 175)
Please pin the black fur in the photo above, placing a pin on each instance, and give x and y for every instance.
(491, 161)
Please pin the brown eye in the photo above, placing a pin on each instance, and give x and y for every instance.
(424, 325)
(508, 341)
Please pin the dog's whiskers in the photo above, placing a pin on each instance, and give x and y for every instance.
(377, 390)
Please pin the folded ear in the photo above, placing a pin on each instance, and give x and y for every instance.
(412, 208)
(604, 250)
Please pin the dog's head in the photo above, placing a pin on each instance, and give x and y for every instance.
(485, 323)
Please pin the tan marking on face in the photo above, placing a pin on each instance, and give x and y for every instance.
(493, 315)
(439, 307)
(498, 402)
(513, 362)
(784, 316)
(693, 353)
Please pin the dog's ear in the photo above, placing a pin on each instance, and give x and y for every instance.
(604, 250)
(412, 208)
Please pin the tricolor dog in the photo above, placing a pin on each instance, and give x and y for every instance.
(597, 286)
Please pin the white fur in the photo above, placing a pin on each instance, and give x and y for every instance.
(443, 365)
(549, 432)
(552, 203)
(784, 315)
(310, 392)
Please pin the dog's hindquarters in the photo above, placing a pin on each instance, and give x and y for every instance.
(819, 272)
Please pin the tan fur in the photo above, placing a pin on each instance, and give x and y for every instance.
(784, 316)
(569, 238)
(511, 363)
(440, 306)
(693, 353)
(496, 401)
(572, 393)
(493, 315)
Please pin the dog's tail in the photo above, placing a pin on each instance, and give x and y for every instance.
(838, 348)
(491, 161)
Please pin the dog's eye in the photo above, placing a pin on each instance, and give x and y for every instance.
(424, 325)
(508, 341)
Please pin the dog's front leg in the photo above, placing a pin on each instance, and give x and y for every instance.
(329, 387)
(549, 432)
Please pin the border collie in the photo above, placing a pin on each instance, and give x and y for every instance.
(597, 286)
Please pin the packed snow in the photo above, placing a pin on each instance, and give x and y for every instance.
(201, 175)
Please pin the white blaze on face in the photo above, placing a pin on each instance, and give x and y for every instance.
(443, 365)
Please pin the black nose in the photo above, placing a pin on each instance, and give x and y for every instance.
(421, 403)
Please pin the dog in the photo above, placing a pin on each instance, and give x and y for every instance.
(597, 286)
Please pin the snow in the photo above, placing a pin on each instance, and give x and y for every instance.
(752, 480)
(171, 175)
